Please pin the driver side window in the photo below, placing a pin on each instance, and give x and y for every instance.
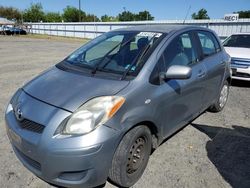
(180, 51)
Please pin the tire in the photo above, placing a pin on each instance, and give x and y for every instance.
(222, 99)
(131, 157)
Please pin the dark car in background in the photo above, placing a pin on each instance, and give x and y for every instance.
(12, 31)
(99, 113)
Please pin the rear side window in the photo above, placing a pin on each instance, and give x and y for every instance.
(208, 43)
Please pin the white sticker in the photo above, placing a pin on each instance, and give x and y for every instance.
(149, 34)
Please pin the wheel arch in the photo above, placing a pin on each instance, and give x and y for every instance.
(156, 136)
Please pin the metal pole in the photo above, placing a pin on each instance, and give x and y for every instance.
(189, 8)
(80, 11)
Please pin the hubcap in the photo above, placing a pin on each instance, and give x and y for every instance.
(136, 155)
(223, 96)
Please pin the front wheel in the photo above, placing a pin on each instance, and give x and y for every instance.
(222, 100)
(131, 157)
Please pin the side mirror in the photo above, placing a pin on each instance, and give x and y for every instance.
(178, 72)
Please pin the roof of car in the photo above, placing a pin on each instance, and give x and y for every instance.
(158, 28)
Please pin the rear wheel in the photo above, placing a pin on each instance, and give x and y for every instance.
(131, 157)
(222, 100)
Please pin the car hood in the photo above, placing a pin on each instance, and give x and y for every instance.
(238, 52)
(68, 90)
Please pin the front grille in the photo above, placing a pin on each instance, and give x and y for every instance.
(240, 63)
(31, 126)
(28, 160)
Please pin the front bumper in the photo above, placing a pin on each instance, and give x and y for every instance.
(82, 161)
(241, 73)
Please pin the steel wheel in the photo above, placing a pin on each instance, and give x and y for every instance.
(136, 155)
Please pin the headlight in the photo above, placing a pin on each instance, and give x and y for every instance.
(92, 114)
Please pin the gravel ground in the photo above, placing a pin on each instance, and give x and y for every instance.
(213, 151)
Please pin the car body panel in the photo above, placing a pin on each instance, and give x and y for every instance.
(76, 89)
(243, 53)
(41, 153)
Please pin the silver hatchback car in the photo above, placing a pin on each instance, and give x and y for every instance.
(98, 114)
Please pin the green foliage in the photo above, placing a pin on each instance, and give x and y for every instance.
(126, 16)
(129, 16)
(244, 14)
(34, 13)
(201, 15)
(71, 14)
(91, 18)
(53, 17)
(10, 13)
(144, 15)
(106, 18)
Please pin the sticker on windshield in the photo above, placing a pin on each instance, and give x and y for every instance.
(149, 34)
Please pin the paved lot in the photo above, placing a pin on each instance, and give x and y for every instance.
(212, 152)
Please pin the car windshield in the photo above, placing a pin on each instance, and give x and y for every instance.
(115, 52)
(240, 41)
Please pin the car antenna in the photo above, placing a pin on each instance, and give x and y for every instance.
(189, 8)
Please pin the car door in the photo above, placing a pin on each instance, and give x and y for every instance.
(179, 101)
(212, 58)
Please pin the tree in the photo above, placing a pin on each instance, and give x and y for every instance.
(34, 13)
(129, 16)
(201, 15)
(244, 14)
(126, 16)
(71, 14)
(53, 17)
(106, 18)
(10, 13)
(144, 15)
(91, 18)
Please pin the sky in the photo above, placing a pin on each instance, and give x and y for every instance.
(160, 9)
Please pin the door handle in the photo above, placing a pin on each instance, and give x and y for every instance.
(222, 63)
(201, 74)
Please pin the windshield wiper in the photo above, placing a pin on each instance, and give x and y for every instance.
(104, 57)
(139, 57)
(109, 52)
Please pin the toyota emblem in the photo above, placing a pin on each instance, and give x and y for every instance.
(18, 113)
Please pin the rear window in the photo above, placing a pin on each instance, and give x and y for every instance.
(240, 41)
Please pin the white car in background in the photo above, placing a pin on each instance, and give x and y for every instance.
(238, 47)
